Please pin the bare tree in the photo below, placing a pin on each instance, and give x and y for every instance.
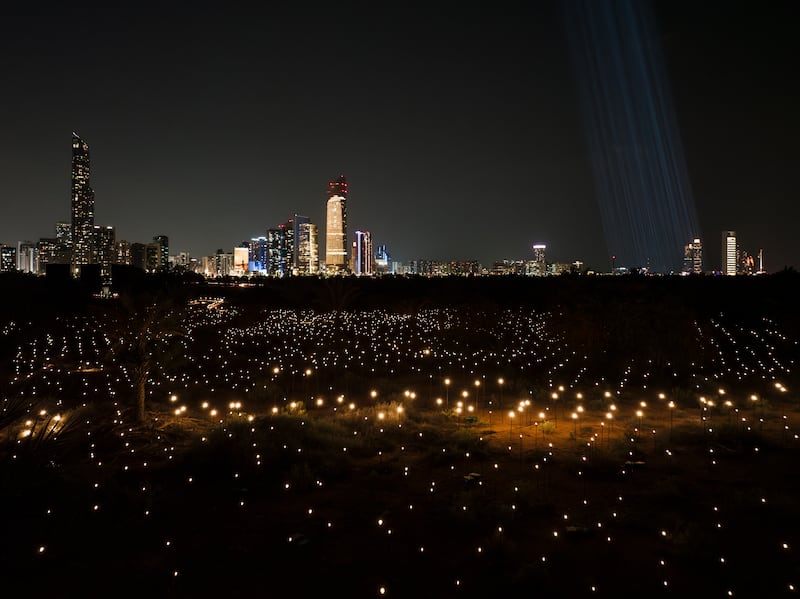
(142, 332)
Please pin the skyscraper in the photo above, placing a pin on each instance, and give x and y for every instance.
(336, 227)
(162, 258)
(730, 251)
(104, 250)
(139, 255)
(27, 257)
(221, 264)
(241, 260)
(362, 254)
(82, 224)
(259, 255)
(538, 266)
(8, 258)
(277, 252)
(64, 234)
(307, 249)
(382, 260)
(123, 252)
(297, 222)
(693, 257)
(152, 256)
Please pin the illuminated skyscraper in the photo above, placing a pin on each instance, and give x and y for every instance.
(307, 249)
(538, 266)
(277, 252)
(27, 257)
(123, 252)
(152, 256)
(362, 259)
(693, 257)
(8, 258)
(162, 258)
(82, 223)
(64, 234)
(222, 264)
(259, 255)
(104, 250)
(297, 223)
(382, 260)
(241, 260)
(730, 253)
(336, 227)
(747, 263)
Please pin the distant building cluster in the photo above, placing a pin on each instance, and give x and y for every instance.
(81, 247)
(737, 261)
(734, 260)
(292, 248)
(84, 249)
(434, 268)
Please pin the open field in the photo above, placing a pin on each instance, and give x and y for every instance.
(305, 452)
(303, 504)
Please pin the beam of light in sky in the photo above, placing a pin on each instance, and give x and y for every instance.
(641, 179)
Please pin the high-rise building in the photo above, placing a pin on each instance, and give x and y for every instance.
(747, 263)
(538, 266)
(152, 256)
(104, 250)
(277, 251)
(382, 260)
(8, 258)
(289, 251)
(123, 252)
(27, 257)
(297, 222)
(307, 249)
(208, 266)
(362, 258)
(64, 234)
(49, 254)
(693, 257)
(730, 253)
(55, 250)
(217, 265)
(139, 255)
(162, 257)
(82, 223)
(241, 260)
(182, 262)
(336, 227)
(259, 255)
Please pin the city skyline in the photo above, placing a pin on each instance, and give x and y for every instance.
(461, 133)
(292, 247)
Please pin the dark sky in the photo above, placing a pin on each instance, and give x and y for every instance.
(458, 125)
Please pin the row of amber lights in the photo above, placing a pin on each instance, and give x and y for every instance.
(460, 407)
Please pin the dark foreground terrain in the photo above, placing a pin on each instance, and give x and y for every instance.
(301, 449)
(275, 507)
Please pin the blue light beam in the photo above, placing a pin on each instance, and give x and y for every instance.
(641, 180)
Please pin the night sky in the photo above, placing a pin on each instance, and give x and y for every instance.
(458, 126)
